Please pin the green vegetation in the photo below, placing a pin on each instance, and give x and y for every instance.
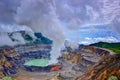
(113, 78)
(112, 46)
(7, 78)
(37, 41)
(42, 39)
(37, 62)
(38, 35)
(28, 37)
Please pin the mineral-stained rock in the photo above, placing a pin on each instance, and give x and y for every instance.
(105, 68)
(6, 67)
(1, 75)
(67, 75)
(76, 58)
(94, 62)
(55, 68)
(13, 58)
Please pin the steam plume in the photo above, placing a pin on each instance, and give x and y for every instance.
(40, 16)
(5, 38)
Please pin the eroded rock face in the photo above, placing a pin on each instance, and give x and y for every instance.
(13, 58)
(86, 63)
(7, 66)
(105, 68)
(92, 60)
(84, 58)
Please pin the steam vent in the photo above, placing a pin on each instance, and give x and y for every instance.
(31, 62)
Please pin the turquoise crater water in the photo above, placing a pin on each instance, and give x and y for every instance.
(37, 62)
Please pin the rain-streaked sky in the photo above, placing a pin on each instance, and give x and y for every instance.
(83, 21)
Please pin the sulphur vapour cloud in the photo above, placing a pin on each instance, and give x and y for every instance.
(41, 17)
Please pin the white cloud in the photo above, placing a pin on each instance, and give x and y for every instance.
(92, 13)
(89, 40)
(74, 12)
(13, 28)
(110, 9)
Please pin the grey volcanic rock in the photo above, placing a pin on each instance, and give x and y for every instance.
(105, 68)
(73, 63)
(13, 58)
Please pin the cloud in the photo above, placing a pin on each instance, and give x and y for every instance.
(89, 40)
(110, 9)
(13, 28)
(89, 12)
(116, 23)
(46, 16)
(75, 13)
(8, 10)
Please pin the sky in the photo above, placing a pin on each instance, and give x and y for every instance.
(82, 21)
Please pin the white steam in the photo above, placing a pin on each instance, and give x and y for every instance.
(72, 45)
(6, 30)
(5, 40)
(40, 16)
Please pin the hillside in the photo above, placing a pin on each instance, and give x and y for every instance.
(112, 46)
(29, 40)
